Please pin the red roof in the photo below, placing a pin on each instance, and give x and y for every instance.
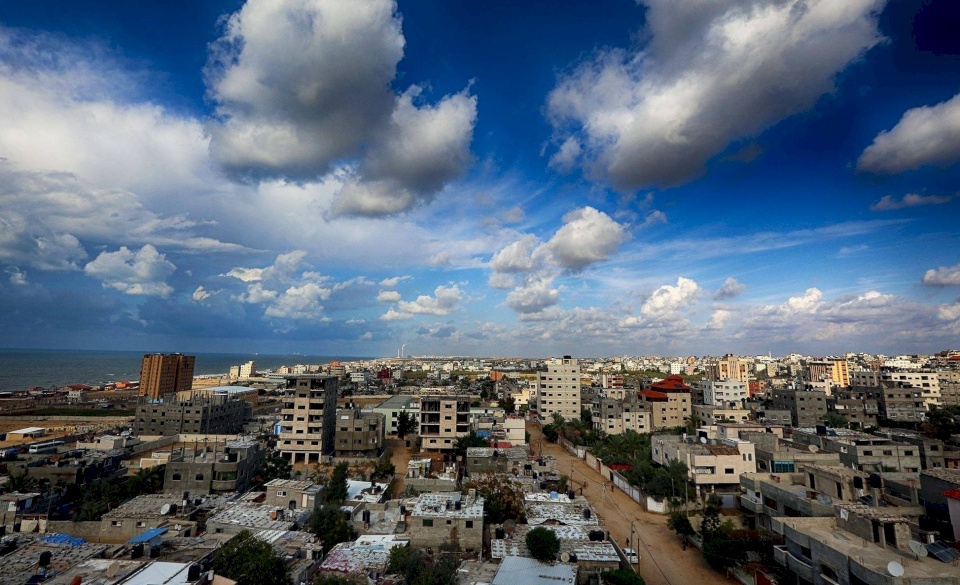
(952, 494)
(671, 384)
(652, 395)
(502, 445)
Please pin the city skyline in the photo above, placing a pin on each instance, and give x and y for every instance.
(650, 178)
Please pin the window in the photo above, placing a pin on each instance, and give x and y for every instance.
(199, 477)
(428, 522)
(141, 524)
(281, 493)
(116, 523)
(176, 477)
(469, 523)
(728, 470)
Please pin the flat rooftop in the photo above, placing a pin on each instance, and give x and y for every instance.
(443, 504)
(258, 516)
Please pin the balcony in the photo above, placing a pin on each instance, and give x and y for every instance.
(780, 554)
(751, 504)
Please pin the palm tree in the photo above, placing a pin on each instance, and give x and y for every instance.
(19, 483)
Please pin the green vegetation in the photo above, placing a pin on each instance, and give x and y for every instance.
(632, 448)
(680, 523)
(18, 483)
(621, 577)
(722, 548)
(577, 431)
(336, 491)
(406, 424)
(274, 466)
(509, 404)
(943, 422)
(104, 494)
(503, 499)
(250, 561)
(835, 420)
(328, 523)
(543, 544)
(467, 441)
(417, 569)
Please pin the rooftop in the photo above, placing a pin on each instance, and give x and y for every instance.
(573, 540)
(443, 504)
(293, 484)
(258, 516)
(951, 475)
(148, 506)
(515, 570)
(367, 553)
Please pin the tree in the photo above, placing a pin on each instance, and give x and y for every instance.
(710, 524)
(467, 441)
(405, 424)
(336, 491)
(416, 569)
(274, 466)
(543, 544)
(835, 420)
(19, 483)
(509, 403)
(621, 577)
(586, 416)
(680, 523)
(329, 524)
(339, 579)
(250, 561)
(503, 499)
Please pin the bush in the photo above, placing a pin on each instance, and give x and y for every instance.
(621, 577)
(679, 523)
(543, 544)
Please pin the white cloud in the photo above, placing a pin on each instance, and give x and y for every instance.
(501, 280)
(395, 315)
(667, 299)
(328, 102)
(516, 256)
(730, 289)
(300, 302)
(201, 294)
(587, 236)
(943, 276)
(393, 281)
(533, 296)
(17, 276)
(711, 73)
(257, 294)
(653, 218)
(719, 319)
(949, 312)
(446, 300)
(924, 136)
(806, 303)
(133, 273)
(889, 203)
(388, 296)
(282, 268)
(513, 215)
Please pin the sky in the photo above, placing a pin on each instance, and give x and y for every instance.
(496, 178)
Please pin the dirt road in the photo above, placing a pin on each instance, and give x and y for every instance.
(662, 559)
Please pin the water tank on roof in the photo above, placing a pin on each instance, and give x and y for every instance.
(499, 534)
(586, 513)
(554, 495)
(193, 573)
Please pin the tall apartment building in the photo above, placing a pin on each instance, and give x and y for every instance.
(837, 371)
(309, 418)
(726, 393)
(927, 383)
(668, 402)
(209, 415)
(859, 406)
(614, 416)
(443, 420)
(729, 366)
(359, 434)
(808, 408)
(248, 369)
(949, 381)
(162, 374)
(558, 388)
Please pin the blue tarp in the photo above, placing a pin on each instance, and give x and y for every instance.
(483, 434)
(63, 539)
(148, 535)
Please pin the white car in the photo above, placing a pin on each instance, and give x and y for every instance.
(631, 556)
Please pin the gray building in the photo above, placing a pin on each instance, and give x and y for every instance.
(212, 415)
(309, 417)
(862, 451)
(933, 484)
(213, 468)
(807, 407)
(359, 434)
(447, 521)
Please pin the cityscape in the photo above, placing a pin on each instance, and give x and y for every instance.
(407, 292)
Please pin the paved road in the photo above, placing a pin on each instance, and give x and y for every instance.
(662, 559)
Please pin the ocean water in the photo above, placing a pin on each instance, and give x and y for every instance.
(26, 368)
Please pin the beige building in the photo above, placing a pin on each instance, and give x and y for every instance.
(669, 403)
(162, 374)
(359, 434)
(308, 420)
(725, 393)
(926, 382)
(443, 420)
(714, 465)
(949, 381)
(447, 521)
(615, 417)
(558, 388)
(729, 366)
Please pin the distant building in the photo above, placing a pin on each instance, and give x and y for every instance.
(558, 389)
(728, 367)
(309, 418)
(248, 370)
(213, 415)
(615, 417)
(213, 468)
(668, 402)
(393, 406)
(358, 434)
(162, 374)
(807, 407)
(447, 521)
(725, 393)
(443, 420)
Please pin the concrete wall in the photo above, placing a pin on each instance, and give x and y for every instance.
(446, 533)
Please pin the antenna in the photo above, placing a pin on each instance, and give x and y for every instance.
(895, 569)
(918, 549)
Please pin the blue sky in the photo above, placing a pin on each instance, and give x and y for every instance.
(490, 178)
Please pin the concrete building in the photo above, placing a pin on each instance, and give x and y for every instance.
(807, 407)
(926, 382)
(511, 460)
(368, 554)
(934, 485)
(145, 512)
(162, 374)
(359, 434)
(292, 494)
(443, 420)
(774, 455)
(858, 545)
(714, 466)
(949, 381)
(447, 521)
(614, 417)
(668, 402)
(725, 393)
(248, 370)
(931, 450)
(558, 389)
(213, 415)
(309, 413)
(393, 406)
(235, 517)
(210, 468)
(859, 406)
(862, 451)
(714, 415)
(728, 367)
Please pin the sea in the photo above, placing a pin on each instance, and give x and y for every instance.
(27, 368)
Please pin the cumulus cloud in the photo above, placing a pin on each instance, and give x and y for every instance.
(445, 300)
(924, 136)
(201, 294)
(329, 101)
(943, 276)
(134, 273)
(806, 303)
(17, 276)
(388, 296)
(393, 281)
(949, 312)
(533, 296)
(719, 318)
(300, 302)
(257, 294)
(501, 280)
(889, 202)
(587, 236)
(516, 256)
(667, 299)
(730, 289)
(712, 73)
(282, 268)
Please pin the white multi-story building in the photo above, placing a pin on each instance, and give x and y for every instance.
(558, 388)
(248, 369)
(726, 393)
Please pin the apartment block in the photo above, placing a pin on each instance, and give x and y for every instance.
(725, 393)
(359, 434)
(862, 451)
(668, 402)
(712, 466)
(859, 406)
(162, 374)
(558, 389)
(209, 468)
(309, 414)
(211, 415)
(807, 407)
(443, 420)
(925, 382)
(448, 521)
(615, 417)
(728, 367)
(949, 381)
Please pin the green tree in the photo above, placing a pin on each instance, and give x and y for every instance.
(621, 577)
(503, 499)
(543, 544)
(338, 579)
(19, 483)
(586, 416)
(835, 420)
(405, 424)
(250, 561)
(274, 466)
(509, 403)
(417, 569)
(467, 441)
(710, 524)
(336, 491)
(329, 524)
(680, 523)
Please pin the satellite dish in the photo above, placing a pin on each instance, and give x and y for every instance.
(824, 499)
(813, 448)
(564, 557)
(918, 548)
(895, 569)
(165, 509)
(703, 440)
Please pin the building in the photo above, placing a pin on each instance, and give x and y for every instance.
(235, 517)
(668, 402)
(712, 466)
(514, 570)
(728, 367)
(292, 494)
(926, 383)
(309, 412)
(368, 554)
(558, 389)
(248, 370)
(211, 415)
(949, 381)
(447, 521)
(807, 407)
(725, 393)
(393, 406)
(615, 417)
(858, 406)
(148, 511)
(162, 374)
(443, 420)
(934, 486)
(862, 451)
(213, 468)
(358, 434)
(489, 460)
